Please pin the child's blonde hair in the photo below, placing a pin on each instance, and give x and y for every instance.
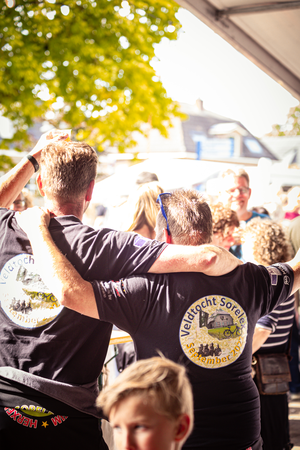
(162, 381)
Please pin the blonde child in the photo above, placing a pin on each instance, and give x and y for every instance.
(150, 406)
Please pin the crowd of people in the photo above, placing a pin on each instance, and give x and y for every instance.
(233, 295)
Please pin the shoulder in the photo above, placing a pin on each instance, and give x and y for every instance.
(256, 214)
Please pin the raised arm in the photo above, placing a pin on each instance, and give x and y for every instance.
(207, 258)
(12, 183)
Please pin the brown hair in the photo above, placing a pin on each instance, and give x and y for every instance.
(67, 168)
(270, 244)
(237, 173)
(159, 380)
(223, 218)
(189, 218)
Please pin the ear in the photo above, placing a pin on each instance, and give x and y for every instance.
(250, 193)
(167, 237)
(182, 427)
(40, 185)
(89, 192)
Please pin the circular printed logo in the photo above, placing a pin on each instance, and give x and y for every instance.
(213, 331)
(24, 297)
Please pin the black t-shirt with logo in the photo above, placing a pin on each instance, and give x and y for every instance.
(207, 324)
(42, 344)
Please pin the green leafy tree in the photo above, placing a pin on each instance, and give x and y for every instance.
(85, 65)
(292, 125)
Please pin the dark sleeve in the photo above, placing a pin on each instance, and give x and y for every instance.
(121, 254)
(279, 279)
(123, 302)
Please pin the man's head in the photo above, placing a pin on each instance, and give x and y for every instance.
(189, 218)
(146, 177)
(235, 191)
(67, 170)
(154, 396)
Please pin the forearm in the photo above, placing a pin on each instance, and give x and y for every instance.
(61, 277)
(12, 183)
(295, 265)
(259, 338)
(208, 259)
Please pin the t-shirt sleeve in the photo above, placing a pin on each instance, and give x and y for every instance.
(123, 302)
(125, 254)
(279, 279)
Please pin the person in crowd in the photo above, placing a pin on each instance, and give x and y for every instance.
(260, 210)
(266, 243)
(51, 357)
(292, 206)
(23, 201)
(141, 209)
(150, 406)
(235, 192)
(146, 177)
(186, 317)
(140, 212)
(294, 236)
(225, 224)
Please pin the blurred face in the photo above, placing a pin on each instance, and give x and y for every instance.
(18, 204)
(236, 194)
(225, 242)
(137, 426)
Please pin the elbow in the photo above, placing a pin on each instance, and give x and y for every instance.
(210, 264)
(65, 298)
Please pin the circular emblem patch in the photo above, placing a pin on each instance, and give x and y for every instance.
(213, 331)
(24, 297)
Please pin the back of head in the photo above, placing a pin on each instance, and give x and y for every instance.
(270, 243)
(142, 207)
(189, 218)
(67, 168)
(146, 177)
(223, 218)
(162, 382)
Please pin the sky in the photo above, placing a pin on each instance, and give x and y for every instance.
(200, 64)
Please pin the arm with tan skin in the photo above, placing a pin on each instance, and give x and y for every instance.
(74, 292)
(206, 258)
(65, 282)
(55, 269)
(12, 183)
(259, 338)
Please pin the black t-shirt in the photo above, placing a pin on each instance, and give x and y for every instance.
(207, 324)
(42, 344)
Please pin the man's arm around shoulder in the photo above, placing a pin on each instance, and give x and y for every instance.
(206, 258)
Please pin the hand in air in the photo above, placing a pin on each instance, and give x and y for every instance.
(48, 138)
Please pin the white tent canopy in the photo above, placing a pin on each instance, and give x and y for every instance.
(267, 33)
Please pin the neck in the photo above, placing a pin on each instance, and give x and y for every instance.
(146, 232)
(66, 209)
(245, 215)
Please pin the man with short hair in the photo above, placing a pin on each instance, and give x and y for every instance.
(235, 192)
(206, 323)
(51, 357)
